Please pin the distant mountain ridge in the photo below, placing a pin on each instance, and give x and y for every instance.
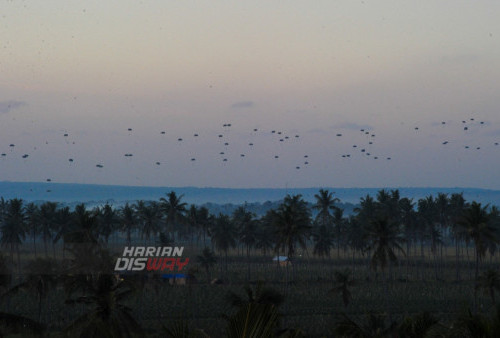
(116, 194)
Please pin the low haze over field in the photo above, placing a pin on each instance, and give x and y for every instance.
(254, 94)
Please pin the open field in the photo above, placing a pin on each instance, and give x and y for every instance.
(308, 305)
(384, 266)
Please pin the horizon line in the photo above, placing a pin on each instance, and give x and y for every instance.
(246, 188)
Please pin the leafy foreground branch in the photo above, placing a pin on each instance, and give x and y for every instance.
(109, 317)
(15, 324)
(467, 325)
(253, 320)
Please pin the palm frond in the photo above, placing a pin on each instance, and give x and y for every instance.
(253, 321)
(15, 324)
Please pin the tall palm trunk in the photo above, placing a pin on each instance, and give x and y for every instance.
(225, 268)
(386, 292)
(208, 274)
(39, 307)
(45, 247)
(477, 266)
(436, 266)
(475, 281)
(468, 260)
(248, 262)
(34, 243)
(18, 260)
(457, 259)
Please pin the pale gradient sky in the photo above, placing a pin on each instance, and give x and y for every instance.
(94, 69)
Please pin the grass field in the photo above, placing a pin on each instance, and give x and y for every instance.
(409, 288)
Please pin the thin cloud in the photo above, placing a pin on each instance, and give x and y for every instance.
(7, 106)
(243, 104)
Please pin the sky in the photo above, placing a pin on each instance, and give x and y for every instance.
(76, 76)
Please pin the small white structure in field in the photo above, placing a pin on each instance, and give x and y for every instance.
(283, 260)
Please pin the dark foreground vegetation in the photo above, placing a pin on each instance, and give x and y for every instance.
(395, 268)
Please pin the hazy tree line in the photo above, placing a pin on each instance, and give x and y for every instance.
(408, 226)
(389, 231)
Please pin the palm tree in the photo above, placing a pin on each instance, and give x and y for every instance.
(253, 320)
(324, 203)
(489, 281)
(373, 327)
(182, 329)
(419, 325)
(108, 221)
(408, 219)
(443, 209)
(207, 260)
(164, 239)
(259, 295)
(476, 227)
(204, 220)
(456, 208)
(428, 216)
(128, 220)
(13, 227)
(365, 214)
(199, 220)
(3, 209)
(385, 239)
(81, 238)
(494, 221)
(32, 220)
(388, 204)
(476, 325)
(339, 227)
(322, 231)
(355, 236)
(149, 215)
(174, 209)
(41, 278)
(343, 281)
(109, 317)
(192, 221)
(367, 209)
(85, 227)
(224, 234)
(266, 234)
(443, 215)
(47, 223)
(292, 222)
(257, 314)
(247, 229)
(323, 240)
(64, 222)
(5, 274)
(12, 324)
